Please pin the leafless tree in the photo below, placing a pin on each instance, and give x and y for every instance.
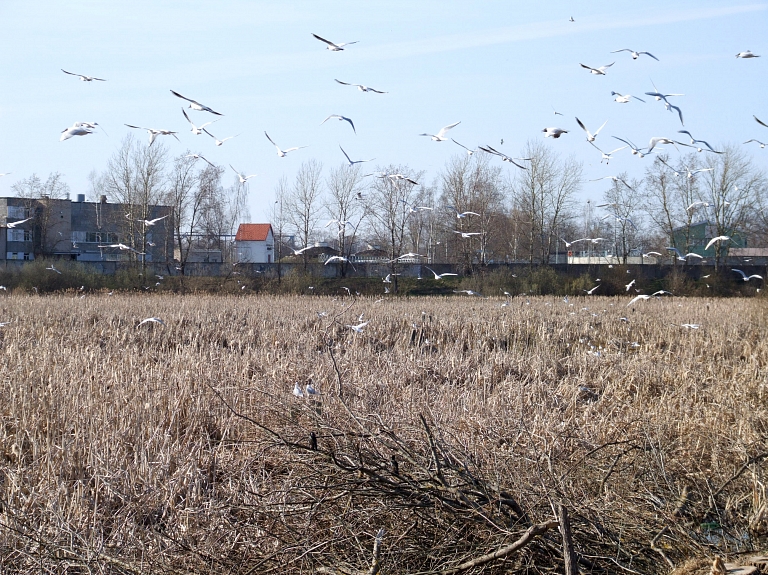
(622, 199)
(303, 203)
(470, 183)
(389, 201)
(733, 187)
(136, 178)
(223, 210)
(39, 197)
(280, 222)
(345, 207)
(543, 194)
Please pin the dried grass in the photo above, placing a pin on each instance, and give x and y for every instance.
(181, 448)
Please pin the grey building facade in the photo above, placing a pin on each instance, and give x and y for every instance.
(81, 231)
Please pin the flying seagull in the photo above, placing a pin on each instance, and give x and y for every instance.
(599, 71)
(340, 118)
(196, 130)
(334, 47)
(635, 150)
(282, 153)
(635, 55)
(590, 137)
(606, 156)
(440, 136)
(439, 276)
(554, 132)
(217, 141)
(469, 152)
(762, 145)
(624, 98)
(747, 54)
(153, 133)
(352, 163)
(151, 320)
(745, 277)
(152, 222)
(658, 140)
(12, 225)
(759, 121)
(695, 141)
(615, 179)
(76, 130)
(504, 157)
(195, 105)
(361, 87)
(243, 178)
(200, 157)
(463, 214)
(717, 239)
(84, 78)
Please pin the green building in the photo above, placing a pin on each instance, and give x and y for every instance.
(694, 238)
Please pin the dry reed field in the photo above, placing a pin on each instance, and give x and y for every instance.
(447, 437)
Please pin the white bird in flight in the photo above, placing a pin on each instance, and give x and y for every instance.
(659, 140)
(554, 132)
(469, 152)
(606, 156)
(599, 71)
(635, 150)
(745, 277)
(692, 173)
(151, 320)
(153, 133)
(638, 298)
(282, 153)
(717, 239)
(759, 121)
(195, 105)
(76, 130)
(351, 162)
(358, 328)
(463, 214)
(121, 247)
(243, 178)
(152, 222)
(332, 46)
(440, 276)
(336, 259)
(341, 119)
(12, 225)
(590, 137)
(200, 157)
(624, 98)
(361, 87)
(762, 145)
(747, 54)
(216, 140)
(53, 269)
(83, 77)
(440, 136)
(196, 130)
(468, 234)
(635, 54)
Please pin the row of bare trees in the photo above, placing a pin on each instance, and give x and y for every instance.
(473, 212)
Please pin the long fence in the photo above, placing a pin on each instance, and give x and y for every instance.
(253, 270)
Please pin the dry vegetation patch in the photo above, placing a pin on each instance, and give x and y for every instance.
(456, 425)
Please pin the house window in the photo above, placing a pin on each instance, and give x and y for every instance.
(101, 237)
(19, 256)
(18, 212)
(19, 235)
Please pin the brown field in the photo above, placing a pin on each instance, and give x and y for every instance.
(457, 425)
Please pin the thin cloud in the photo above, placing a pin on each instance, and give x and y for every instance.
(546, 29)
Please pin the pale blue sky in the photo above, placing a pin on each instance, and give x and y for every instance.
(496, 66)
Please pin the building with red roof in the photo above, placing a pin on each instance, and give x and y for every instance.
(255, 244)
